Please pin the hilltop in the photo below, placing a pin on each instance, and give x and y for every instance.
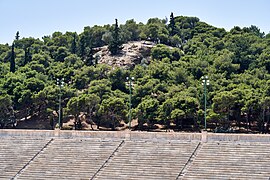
(166, 62)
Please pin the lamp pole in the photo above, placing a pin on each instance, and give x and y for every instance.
(205, 82)
(60, 83)
(130, 96)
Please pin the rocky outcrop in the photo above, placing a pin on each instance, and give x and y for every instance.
(132, 53)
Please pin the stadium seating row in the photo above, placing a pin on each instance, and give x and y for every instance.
(86, 158)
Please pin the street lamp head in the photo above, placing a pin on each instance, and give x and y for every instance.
(205, 80)
(204, 77)
(130, 78)
(60, 82)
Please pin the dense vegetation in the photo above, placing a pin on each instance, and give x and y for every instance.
(166, 91)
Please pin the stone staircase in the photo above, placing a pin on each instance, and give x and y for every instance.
(148, 160)
(16, 153)
(231, 160)
(69, 159)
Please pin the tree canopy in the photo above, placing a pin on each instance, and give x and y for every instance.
(166, 91)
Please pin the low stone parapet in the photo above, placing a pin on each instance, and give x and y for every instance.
(238, 137)
(136, 135)
(165, 136)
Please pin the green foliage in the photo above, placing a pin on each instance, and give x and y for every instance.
(147, 111)
(113, 111)
(12, 59)
(132, 30)
(74, 44)
(118, 78)
(161, 51)
(102, 88)
(167, 86)
(115, 45)
(172, 27)
(61, 54)
(5, 106)
(74, 106)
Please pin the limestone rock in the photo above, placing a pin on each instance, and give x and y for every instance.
(132, 53)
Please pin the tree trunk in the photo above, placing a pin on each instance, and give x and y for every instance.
(98, 124)
(249, 121)
(177, 124)
(263, 121)
(91, 125)
(140, 124)
(113, 123)
(26, 114)
(267, 121)
(168, 125)
(238, 116)
(195, 123)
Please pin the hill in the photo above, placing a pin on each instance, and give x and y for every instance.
(71, 75)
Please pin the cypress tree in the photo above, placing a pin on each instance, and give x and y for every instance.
(12, 59)
(27, 56)
(115, 45)
(172, 28)
(17, 36)
(82, 47)
(73, 45)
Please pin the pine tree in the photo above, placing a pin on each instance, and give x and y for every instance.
(12, 59)
(172, 28)
(115, 45)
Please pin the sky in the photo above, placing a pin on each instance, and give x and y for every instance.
(37, 18)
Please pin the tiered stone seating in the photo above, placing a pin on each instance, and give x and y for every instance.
(26, 157)
(70, 159)
(148, 160)
(231, 160)
(15, 153)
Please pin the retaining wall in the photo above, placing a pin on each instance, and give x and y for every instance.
(135, 135)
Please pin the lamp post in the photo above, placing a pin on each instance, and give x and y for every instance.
(130, 79)
(205, 82)
(60, 83)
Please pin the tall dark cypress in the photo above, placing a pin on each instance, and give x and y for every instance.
(172, 28)
(17, 36)
(82, 47)
(27, 56)
(12, 59)
(74, 45)
(115, 45)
